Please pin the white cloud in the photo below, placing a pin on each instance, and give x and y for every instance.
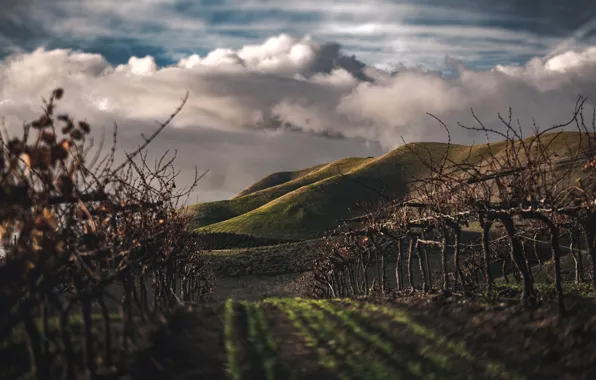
(298, 79)
(139, 66)
(281, 54)
(572, 60)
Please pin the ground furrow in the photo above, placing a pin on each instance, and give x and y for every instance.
(313, 340)
(356, 354)
(388, 346)
(458, 349)
(263, 342)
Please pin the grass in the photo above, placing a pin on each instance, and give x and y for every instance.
(267, 190)
(350, 340)
(18, 334)
(544, 278)
(276, 179)
(14, 359)
(333, 346)
(305, 207)
(418, 337)
(457, 348)
(308, 211)
(584, 289)
(233, 361)
(266, 260)
(260, 337)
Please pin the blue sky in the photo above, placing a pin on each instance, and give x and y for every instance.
(365, 72)
(480, 33)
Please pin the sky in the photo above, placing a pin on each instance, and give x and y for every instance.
(278, 85)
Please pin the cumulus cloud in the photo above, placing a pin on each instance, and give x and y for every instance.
(239, 96)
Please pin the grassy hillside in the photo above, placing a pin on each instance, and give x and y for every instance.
(277, 179)
(266, 190)
(305, 207)
(266, 260)
(309, 210)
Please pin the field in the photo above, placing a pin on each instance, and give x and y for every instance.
(413, 338)
(264, 260)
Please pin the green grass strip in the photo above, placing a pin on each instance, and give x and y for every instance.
(382, 343)
(362, 364)
(233, 362)
(18, 335)
(457, 348)
(312, 342)
(260, 337)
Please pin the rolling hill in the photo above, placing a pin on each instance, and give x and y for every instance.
(266, 190)
(304, 204)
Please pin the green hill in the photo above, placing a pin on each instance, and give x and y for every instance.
(266, 190)
(277, 179)
(313, 202)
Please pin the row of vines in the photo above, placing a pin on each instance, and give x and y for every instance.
(92, 247)
(525, 195)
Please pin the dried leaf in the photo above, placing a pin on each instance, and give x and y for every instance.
(28, 266)
(50, 219)
(65, 185)
(26, 159)
(85, 127)
(41, 158)
(16, 146)
(58, 93)
(76, 134)
(48, 137)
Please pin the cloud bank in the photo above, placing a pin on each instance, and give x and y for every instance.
(274, 102)
(380, 32)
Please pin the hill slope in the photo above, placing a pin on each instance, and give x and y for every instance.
(266, 190)
(306, 207)
(277, 179)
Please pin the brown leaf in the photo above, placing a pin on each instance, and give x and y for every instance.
(41, 157)
(16, 146)
(48, 137)
(65, 185)
(85, 127)
(59, 153)
(26, 159)
(76, 134)
(48, 214)
(57, 93)
(28, 266)
(42, 122)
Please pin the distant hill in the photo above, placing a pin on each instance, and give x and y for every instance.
(304, 204)
(276, 179)
(266, 190)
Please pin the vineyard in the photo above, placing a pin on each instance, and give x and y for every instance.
(94, 251)
(515, 303)
(520, 191)
(295, 338)
(464, 276)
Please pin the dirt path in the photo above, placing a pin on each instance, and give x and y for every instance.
(295, 338)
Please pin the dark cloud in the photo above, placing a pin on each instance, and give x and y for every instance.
(481, 32)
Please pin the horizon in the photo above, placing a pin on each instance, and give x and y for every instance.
(327, 68)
